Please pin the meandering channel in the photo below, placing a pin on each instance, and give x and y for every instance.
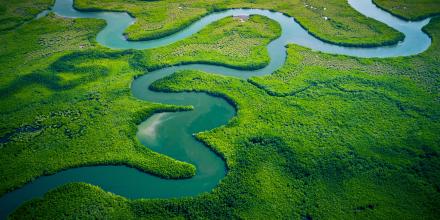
(171, 133)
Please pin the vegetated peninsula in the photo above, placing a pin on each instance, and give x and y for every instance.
(232, 121)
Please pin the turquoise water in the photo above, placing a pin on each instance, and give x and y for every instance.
(172, 133)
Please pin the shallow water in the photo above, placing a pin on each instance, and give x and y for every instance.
(171, 133)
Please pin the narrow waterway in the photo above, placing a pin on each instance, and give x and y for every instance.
(172, 133)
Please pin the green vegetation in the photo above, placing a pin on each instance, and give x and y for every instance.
(55, 101)
(35, 45)
(410, 9)
(422, 68)
(326, 136)
(16, 12)
(109, 205)
(227, 42)
(83, 90)
(345, 26)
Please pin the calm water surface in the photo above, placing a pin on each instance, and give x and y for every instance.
(172, 133)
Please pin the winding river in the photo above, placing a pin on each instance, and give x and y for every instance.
(171, 133)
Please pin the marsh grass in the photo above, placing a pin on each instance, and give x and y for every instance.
(324, 137)
(410, 9)
(155, 19)
(64, 97)
(16, 12)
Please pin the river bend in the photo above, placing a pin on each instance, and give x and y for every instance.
(172, 133)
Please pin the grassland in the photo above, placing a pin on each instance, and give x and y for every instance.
(326, 136)
(228, 42)
(16, 12)
(83, 89)
(410, 9)
(345, 26)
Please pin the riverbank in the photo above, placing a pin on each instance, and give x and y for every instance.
(279, 150)
(345, 27)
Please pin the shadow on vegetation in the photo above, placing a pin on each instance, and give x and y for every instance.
(67, 72)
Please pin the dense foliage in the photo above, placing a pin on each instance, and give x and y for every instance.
(55, 106)
(343, 25)
(330, 150)
(326, 136)
(228, 42)
(83, 90)
(16, 12)
(411, 9)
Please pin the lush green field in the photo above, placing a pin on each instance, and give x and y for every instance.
(16, 12)
(324, 137)
(228, 42)
(328, 137)
(156, 19)
(411, 9)
(83, 90)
